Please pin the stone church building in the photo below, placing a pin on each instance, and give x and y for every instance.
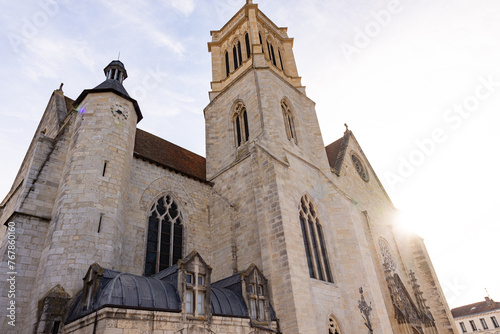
(118, 231)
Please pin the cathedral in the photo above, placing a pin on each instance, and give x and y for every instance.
(110, 229)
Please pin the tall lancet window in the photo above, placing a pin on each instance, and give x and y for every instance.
(164, 243)
(314, 243)
(227, 64)
(289, 122)
(241, 128)
(247, 43)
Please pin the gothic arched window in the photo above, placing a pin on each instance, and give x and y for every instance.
(237, 57)
(333, 326)
(164, 243)
(227, 64)
(247, 43)
(270, 49)
(314, 243)
(289, 122)
(241, 124)
(281, 60)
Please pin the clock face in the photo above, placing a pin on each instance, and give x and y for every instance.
(119, 111)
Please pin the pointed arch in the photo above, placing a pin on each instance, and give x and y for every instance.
(247, 44)
(240, 121)
(333, 326)
(227, 64)
(314, 242)
(289, 120)
(164, 243)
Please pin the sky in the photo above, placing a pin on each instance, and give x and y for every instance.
(418, 83)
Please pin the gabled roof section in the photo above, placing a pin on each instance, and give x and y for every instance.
(487, 306)
(163, 153)
(336, 152)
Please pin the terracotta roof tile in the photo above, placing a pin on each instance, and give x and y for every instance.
(336, 152)
(332, 151)
(157, 150)
(476, 308)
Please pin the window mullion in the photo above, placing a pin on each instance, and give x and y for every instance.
(320, 251)
(158, 249)
(171, 246)
(311, 247)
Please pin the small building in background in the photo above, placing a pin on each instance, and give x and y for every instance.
(482, 317)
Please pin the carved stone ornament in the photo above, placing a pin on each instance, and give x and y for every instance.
(360, 168)
(333, 326)
(388, 260)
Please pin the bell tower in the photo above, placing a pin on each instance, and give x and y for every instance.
(248, 40)
(264, 151)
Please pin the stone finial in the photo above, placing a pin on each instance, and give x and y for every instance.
(61, 86)
(346, 127)
(249, 2)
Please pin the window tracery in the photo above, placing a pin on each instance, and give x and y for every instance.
(314, 244)
(333, 326)
(240, 119)
(289, 122)
(164, 240)
(387, 258)
(360, 168)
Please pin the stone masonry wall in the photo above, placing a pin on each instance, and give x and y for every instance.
(50, 123)
(122, 321)
(147, 183)
(74, 240)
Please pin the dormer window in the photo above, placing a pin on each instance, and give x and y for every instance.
(195, 282)
(257, 302)
(256, 286)
(195, 294)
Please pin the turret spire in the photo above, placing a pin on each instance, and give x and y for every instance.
(116, 71)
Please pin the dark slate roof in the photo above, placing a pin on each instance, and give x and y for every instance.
(476, 308)
(162, 152)
(228, 303)
(227, 298)
(116, 63)
(228, 281)
(114, 86)
(130, 291)
(336, 152)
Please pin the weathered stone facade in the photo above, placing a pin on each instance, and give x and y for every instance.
(85, 190)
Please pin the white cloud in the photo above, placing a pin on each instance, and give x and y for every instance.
(184, 6)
